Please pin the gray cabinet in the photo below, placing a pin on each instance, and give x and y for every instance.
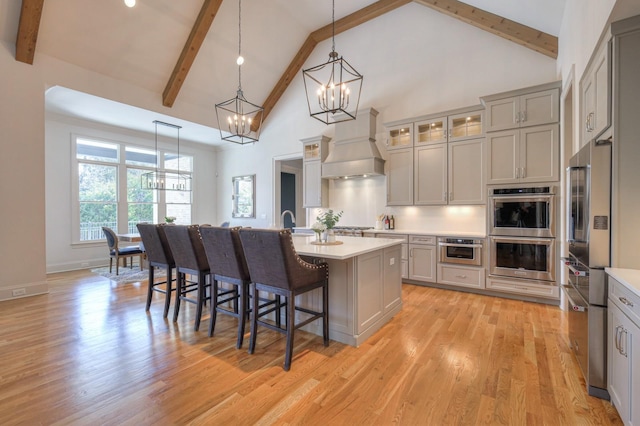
(422, 258)
(400, 136)
(595, 89)
(430, 174)
(315, 189)
(448, 165)
(399, 170)
(523, 155)
(624, 351)
(528, 109)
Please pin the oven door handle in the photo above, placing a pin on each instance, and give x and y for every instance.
(460, 245)
(574, 306)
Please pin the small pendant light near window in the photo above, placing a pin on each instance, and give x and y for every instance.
(239, 120)
(163, 180)
(333, 88)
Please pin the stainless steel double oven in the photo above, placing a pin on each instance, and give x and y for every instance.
(522, 232)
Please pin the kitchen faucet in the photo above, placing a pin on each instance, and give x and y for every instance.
(293, 218)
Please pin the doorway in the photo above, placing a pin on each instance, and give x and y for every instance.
(287, 197)
(287, 191)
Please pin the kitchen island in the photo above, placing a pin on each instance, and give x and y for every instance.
(365, 285)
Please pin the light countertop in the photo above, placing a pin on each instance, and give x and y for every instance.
(351, 247)
(438, 233)
(630, 278)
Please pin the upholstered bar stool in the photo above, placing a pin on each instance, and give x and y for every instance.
(158, 256)
(227, 264)
(275, 267)
(188, 252)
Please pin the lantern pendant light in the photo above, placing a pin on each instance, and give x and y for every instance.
(239, 120)
(333, 88)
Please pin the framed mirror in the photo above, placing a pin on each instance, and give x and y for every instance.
(244, 196)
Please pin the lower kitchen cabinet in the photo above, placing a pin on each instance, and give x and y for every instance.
(624, 352)
(462, 276)
(404, 256)
(523, 287)
(422, 258)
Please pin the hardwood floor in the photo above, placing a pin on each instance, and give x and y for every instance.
(87, 353)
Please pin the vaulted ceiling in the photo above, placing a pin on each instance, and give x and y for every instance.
(186, 50)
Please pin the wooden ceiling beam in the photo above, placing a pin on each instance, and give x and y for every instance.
(526, 36)
(350, 21)
(28, 28)
(190, 50)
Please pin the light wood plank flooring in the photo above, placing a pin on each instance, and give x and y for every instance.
(87, 353)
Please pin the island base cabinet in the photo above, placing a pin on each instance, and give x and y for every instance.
(364, 294)
(370, 289)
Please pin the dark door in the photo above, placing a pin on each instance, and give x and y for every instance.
(287, 196)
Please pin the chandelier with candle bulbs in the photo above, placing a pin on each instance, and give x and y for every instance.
(239, 120)
(333, 88)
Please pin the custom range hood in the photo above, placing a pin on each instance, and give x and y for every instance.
(354, 152)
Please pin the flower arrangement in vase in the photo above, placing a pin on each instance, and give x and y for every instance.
(329, 219)
(169, 219)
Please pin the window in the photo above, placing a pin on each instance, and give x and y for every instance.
(109, 191)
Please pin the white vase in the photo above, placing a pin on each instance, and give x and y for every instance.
(331, 236)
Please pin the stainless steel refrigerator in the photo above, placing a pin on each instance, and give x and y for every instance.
(589, 225)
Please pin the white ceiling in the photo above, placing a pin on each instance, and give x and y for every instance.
(141, 45)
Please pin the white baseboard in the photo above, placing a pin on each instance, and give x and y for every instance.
(24, 290)
(74, 266)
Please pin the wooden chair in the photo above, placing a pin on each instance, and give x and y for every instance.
(275, 267)
(227, 264)
(117, 253)
(158, 256)
(188, 252)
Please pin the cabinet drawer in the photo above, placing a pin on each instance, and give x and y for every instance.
(461, 276)
(625, 299)
(422, 239)
(403, 237)
(550, 291)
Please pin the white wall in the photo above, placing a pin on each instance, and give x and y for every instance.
(22, 218)
(62, 255)
(415, 61)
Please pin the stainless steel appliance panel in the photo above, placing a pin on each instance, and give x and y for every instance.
(460, 251)
(530, 258)
(587, 337)
(526, 212)
(590, 204)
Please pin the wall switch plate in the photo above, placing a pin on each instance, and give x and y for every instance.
(392, 261)
(19, 292)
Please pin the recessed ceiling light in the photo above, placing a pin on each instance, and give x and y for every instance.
(130, 3)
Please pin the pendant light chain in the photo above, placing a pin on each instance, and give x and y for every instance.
(333, 30)
(239, 44)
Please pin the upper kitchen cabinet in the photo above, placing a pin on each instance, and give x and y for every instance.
(525, 155)
(431, 131)
(467, 125)
(451, 126)
(523, 108)
(400, 136)
(450, 173)
(399, 171)
(316, 189)
(595, 89)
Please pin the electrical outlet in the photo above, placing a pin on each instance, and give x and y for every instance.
(392, 261)
(84, 264)
(19, 292)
